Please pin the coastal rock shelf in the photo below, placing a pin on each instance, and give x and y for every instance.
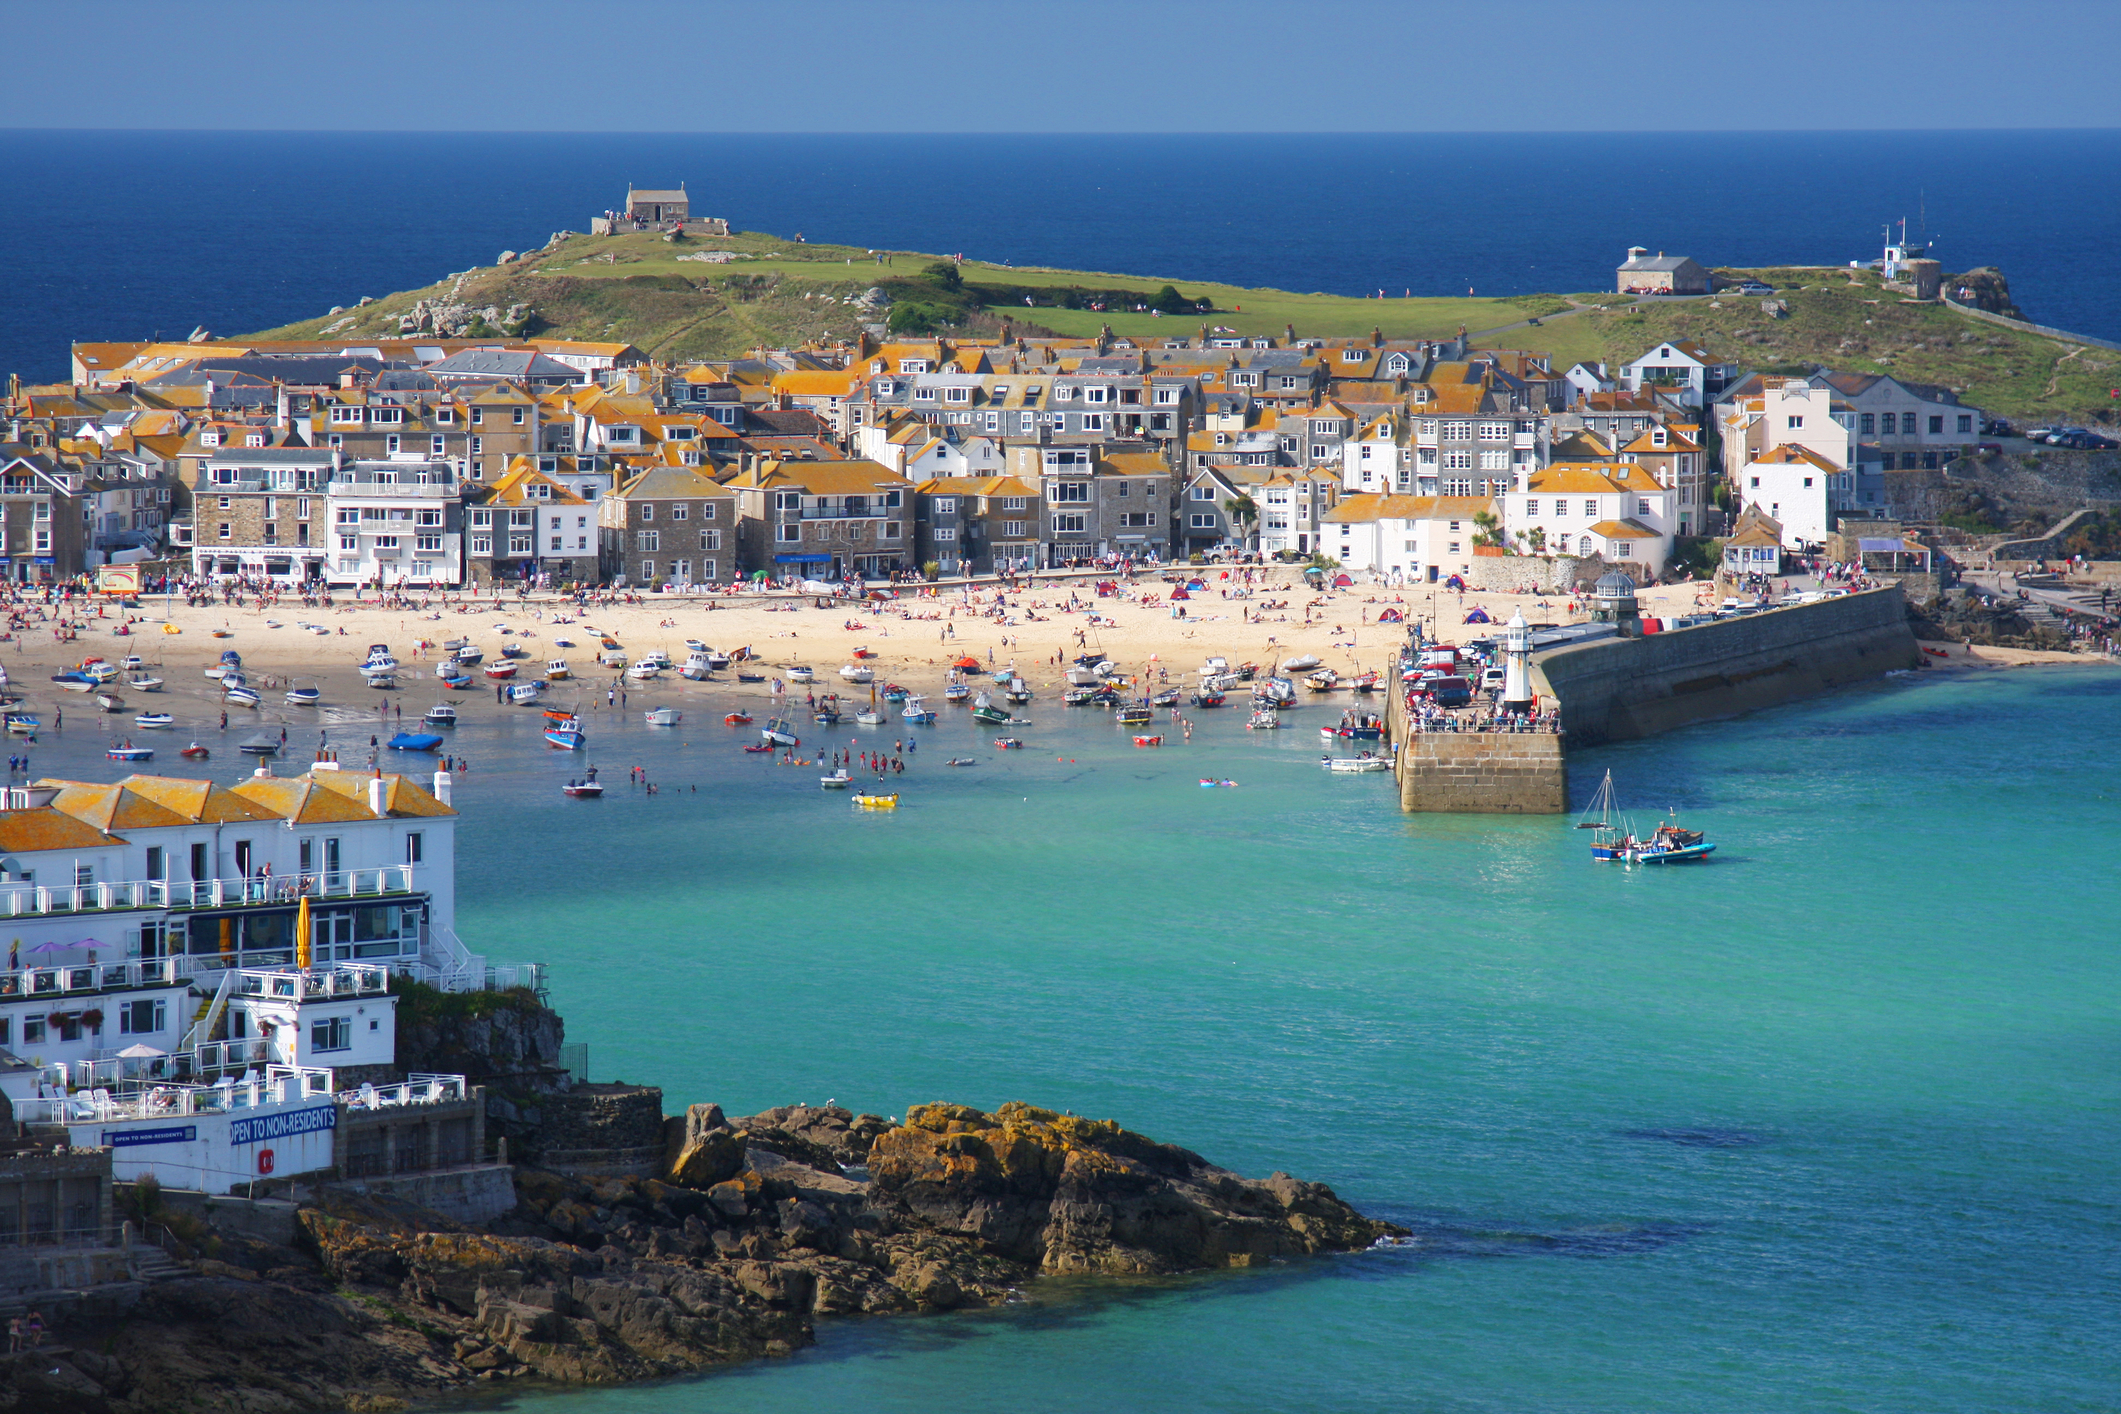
(759, 1226)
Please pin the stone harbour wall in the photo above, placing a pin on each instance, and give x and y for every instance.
(1532, 574)
(1619, 689)
(1487, 773)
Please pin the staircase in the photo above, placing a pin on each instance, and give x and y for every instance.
(152, 1264)
(202, 1027)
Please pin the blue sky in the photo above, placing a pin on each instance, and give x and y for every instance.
(1060, 65)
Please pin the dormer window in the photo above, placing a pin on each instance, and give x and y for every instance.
(1353, 356)
(914, 365)
(1095, 395)
(210, 437)
(956, 394)
(254, 439)
(924, 395)
(347, 416)
(387, 417)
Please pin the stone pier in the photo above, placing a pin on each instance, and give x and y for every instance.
(1485, 773)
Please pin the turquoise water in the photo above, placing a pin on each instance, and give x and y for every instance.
(1827, 1124)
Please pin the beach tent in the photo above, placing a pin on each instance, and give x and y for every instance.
(1478, 616)
(968, 663)
(1180, 593)
(1454, 582)
(1391, 616)
(1341, 581)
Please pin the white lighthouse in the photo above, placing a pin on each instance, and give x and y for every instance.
(1517, 666)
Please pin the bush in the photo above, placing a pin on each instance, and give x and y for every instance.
(1169, 301)
(946, 274)
(931, 569)
(917, 317)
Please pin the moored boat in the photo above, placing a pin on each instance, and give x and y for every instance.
(414, 741)
(1136, 716)
(1265, 719)
(801, 674)
(778, 731)
(566, 734)
(877, 802)
(22, 724)
(74, 681)
(915, 713)
(241, 696)
(442, 714)
(144, 682)
(584, 790)
(129, 752)
(838, 780)
(737, 719)
(154, 721)
(500, 671)
(1148, 741)
(664, 716)
(1355, 764)
(557, 670)
(259, 746)
(195, 752)
(308, 696)
(858, 672)
(526, 694)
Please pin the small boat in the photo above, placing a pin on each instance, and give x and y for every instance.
(1002, 675)
(827, 711)
(914, 712)
(259, 746)
(583, 790)
(99, 670)
(1148, 741)
(750, 677)
(566, 735)
(129, 752)
(984, 710)
(22, 724)
(858, 672)
(801, 675)
(145, 682)
(1347, 764)
(110, 702)
(762, 746)
(877, 802)
(379, 656)
(693, 645)
(442, 714)
(737, 719)
(961, 761)
(74, 681)
(1208, 699)
(195, 752)
(303, 696)
(1166, 698)
(1266, 719)
(217, 672)
(414, 741)
(525, 694)
(892, 692)
(241, 696)
(957, 692)
(838, 780)
(1324, 680)
(1009, 743)
(664, 717)
(1211, 785)
(500, 671)
(869, 717)
(469, 656)
(453, 677)
(1017, 691)
(130, 663)
(1669, 844)
(779, 732)
(154, 721)
(697, 669)
(643, 671)
(514, 650)
(1136, 716)
(716, 659)
(379, 678)
(1367, 682)
(1300, 662)
(556, 670)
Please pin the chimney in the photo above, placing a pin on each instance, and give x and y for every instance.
(1288, 333)
(443, 784)
(264, 771)
(1636, 252)
(378, 791)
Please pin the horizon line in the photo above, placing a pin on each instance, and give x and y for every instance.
(1487, 131)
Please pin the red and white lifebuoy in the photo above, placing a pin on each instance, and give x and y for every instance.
(265, 1161)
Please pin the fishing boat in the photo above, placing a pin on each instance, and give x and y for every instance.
(664, 716)
(308, 696)
(260, 745)
(800, 674)
(129, 752)
(1168, 697)
(1280, 691)
(957, 692)
(414, 741)
(1324, 680)
(1009, 743)
(1264, 719)
(827, 711)
(1670, 844)
(697, 668)
(110, 702)
(442, 714)
(984, 710)
(469, 656)
(1082, 675)
(1355, 764)
(195, 752)
(22, 724)
(858, 672)
(643, 672)
(1366, 682)
(154, 721)
(838, 780)
(583, 790)
(778, 731)
(716, 659)
(74, 681)
(557, 671)
(750, 677)
(869, 717)
(379, 656)
(1136, 716)
(144, 682)
(1208, 699)
(500, 671)
(1148, 741)
(525, 694)
(915, 713)
(1017, 691)
(379, 678)
(565, 733)
(737, 719)
(240, 696)
(877, 802)
(892, 692)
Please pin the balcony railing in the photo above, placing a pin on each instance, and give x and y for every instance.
(20, 900)
(280, 1084)
(94, 977)
(417, 1089)
(345, 979)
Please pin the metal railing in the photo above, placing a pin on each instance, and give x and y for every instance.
(94, 977)
(340, 979)
(30, 900)
(280, 1084)
(416, 1089)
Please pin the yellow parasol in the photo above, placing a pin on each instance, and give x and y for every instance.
(302, 934)
(228, 938)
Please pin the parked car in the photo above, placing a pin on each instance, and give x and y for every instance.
(1755, 287)
(2040, 434)
(1996, 427)
(1491, 679)
(1447, 692)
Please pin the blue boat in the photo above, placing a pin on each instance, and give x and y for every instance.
(130, 753)
(564, 732)
(414, 741)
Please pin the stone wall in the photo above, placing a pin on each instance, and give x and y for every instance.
(1618, 689)
(1529, 574)
(602, 1129)
(474, 1194)
(1483, 773)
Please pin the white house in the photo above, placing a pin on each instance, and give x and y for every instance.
(1792, 445)
(1796, 487)
(1586, 378)
(1616, 510)
(1682, 369)
(397, 521)
(1411, 539)
(1376, 459)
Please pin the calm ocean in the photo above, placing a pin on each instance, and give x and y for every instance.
(121, 235)
(1824, 1125)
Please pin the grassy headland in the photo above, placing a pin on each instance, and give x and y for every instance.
(638, 288)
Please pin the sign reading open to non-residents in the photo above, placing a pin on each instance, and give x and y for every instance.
(280, 1126)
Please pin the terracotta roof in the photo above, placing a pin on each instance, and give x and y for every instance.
(150, 801)
(46, 827)
(1607, 477)
(1793, 454)
(1624, 530)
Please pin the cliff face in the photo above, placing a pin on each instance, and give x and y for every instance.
(765, 1224)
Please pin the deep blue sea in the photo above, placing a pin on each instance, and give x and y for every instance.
(1827, 1124)
(125, 235)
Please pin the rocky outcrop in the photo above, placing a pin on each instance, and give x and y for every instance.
(765, 1224)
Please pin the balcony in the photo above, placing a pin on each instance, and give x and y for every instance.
(335, 983)
(26, 901)
(94, 977)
